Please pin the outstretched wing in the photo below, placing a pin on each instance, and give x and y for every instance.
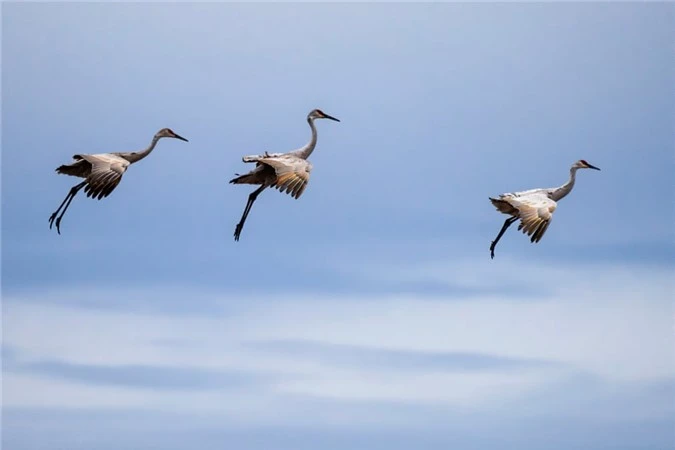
(292, 173)
(106, 174)
(535, 212)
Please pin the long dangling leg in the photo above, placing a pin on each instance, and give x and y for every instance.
(507, 224)
(249, 204)
(66, 201)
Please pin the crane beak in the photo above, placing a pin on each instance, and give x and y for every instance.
(180, 137)
(592, 167)
(326, 116)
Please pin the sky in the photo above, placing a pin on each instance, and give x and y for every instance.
(368, 313)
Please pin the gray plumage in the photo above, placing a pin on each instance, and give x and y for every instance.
(288, 172)
(534, 208)
(102, 173)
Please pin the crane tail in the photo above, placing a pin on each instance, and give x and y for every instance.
(79, 168)
(503, 206)
(247, 178)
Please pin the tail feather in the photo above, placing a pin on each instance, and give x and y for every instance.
(262, 174)
(247, 178)
(503, 206)
(79, 168)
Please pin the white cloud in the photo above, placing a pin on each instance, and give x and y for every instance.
(609, 322)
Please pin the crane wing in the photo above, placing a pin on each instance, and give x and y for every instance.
(256, 158)
(106, 174)
(292, 173)
(535, 212)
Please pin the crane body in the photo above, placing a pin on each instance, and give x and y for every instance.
(288, 172)
(534, 208)
(102, 173)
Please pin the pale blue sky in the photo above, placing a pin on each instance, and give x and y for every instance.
(368, 313)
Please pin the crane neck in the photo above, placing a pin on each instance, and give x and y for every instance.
(566, 188)
(308, 148)
(137, 156)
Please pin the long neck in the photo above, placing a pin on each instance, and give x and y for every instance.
(566, 188)
(137, 156)
(307, 150)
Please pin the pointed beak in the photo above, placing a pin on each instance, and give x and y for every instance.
(326, 116)
(180, 137)
(592, 167)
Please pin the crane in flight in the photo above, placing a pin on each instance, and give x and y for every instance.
(288, 172)
(102, 173)
(535, 207)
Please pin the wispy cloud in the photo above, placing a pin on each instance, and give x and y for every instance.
(138, 376)
(368, 357)
(477, 351)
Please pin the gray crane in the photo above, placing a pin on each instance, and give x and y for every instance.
(101, 172)
(534, 208)
(288, 172)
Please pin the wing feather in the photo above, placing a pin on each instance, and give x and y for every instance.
(292, 173)
(106, 174)
(535, 212)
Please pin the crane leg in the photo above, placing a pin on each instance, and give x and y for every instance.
(249, 204)
(66, 201)
(507, 224)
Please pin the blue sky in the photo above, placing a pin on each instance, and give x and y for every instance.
(368, 313)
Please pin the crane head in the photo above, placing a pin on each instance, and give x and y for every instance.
(583, 164)
(318, 114)
(168, 132)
